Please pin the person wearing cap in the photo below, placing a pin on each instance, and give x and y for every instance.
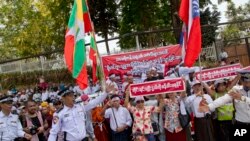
(10, 125)
(203, 133)
(224, 114)
(142, 126)
(120, 119)
(239, 96)
(71, 118)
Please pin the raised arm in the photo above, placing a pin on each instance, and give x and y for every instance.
(208, 89)
(126, 102)
(93, 103)
(205, 107)
(234, 82)
(105, 107)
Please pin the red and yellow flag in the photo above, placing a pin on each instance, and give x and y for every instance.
(75, 50)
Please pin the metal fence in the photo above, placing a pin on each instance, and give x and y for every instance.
(34, 65)
(44, 65)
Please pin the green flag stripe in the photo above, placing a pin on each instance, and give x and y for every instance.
(72, 16)
(84, 6)
(92, 43)
(79, 58)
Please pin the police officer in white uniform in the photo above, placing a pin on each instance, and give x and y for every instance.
(71, 118)
(240, 96)
(10, 126)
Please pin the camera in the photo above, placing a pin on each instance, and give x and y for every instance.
(33, 130)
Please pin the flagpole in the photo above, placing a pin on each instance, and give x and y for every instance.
(103, 85)
(200, 74)
(99, 57)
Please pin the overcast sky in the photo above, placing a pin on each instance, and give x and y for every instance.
(223, 7)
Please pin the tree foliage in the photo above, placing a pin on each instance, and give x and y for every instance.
(104, 16)
(209, 17)
(144, 16)
(31, 27)
(239, 30)
(156, 14)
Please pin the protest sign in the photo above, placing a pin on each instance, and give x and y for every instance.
(246, 68)
(139, 62)
(218, 73)
(157, 87)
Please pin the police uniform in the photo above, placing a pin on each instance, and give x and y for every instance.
(71, 121)
(242, 106)
(10, 126)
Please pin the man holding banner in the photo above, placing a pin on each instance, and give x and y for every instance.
(203, 121)
(240, 96)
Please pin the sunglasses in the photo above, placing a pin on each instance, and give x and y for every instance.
(140, 101)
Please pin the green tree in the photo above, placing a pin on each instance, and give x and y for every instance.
(234, 31)
(209, 33)
(144, 15)
(32, 27)
(104, 16)
(149, 15)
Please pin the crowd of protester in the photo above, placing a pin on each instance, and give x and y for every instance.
(122, 118)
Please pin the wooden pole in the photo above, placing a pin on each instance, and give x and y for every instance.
(103, 85)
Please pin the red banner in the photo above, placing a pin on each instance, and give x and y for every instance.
(157, 87)
(218, 73)
(246, 68)
(139, 62)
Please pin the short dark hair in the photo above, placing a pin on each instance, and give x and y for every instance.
(27, 102)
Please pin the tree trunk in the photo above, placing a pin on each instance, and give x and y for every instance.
(176, 23)
(106, 43)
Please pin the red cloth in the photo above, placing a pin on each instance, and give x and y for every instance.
(180, 136)
(84, 97)
(190, 15)
(101, 132)
(43, 85)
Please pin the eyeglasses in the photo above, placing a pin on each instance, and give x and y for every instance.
(140, 101)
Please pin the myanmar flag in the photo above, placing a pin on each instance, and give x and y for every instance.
(75, 50)
(87, 21)
(92, 57)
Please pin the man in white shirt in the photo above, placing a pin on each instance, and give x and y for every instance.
(223, 54)
(240, 96)
(112, 82)
(10, 125)
(71, 118)
(203, 124)
(120, 119)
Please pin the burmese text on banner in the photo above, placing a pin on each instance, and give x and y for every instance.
(138, 62)
(157, 87)
(218, 73)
